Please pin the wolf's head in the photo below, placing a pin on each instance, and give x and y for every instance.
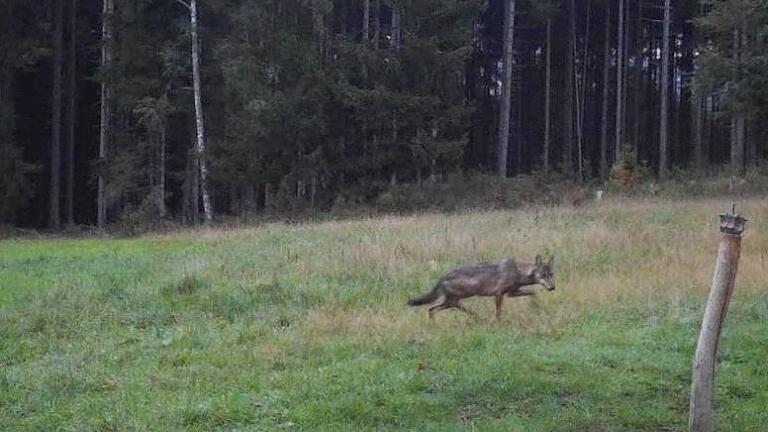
(544, 272)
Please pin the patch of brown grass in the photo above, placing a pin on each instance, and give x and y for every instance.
(619, 250)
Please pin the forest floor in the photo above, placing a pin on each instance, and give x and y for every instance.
(305, 327)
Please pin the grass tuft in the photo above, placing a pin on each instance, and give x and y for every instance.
(187, 285)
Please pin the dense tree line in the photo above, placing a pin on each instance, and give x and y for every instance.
(185, 109)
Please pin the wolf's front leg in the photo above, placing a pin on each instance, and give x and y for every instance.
(499, 302)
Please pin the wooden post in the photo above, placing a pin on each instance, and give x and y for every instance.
(702, 386)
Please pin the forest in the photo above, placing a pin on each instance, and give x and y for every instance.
(188, 110)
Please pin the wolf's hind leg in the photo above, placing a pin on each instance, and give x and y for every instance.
(458, 306)
(433, 309)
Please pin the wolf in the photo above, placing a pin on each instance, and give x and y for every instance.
(504, 278)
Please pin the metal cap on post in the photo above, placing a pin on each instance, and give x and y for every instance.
(732, 225)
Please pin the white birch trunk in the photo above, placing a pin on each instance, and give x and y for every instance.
(200, 125)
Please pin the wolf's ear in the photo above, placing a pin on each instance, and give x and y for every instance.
(551, 260)
(539, 260)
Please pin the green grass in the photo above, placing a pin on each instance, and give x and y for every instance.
(304, 327)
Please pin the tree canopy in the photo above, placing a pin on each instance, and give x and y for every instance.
(312, 102)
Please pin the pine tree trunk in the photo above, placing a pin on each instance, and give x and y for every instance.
(318, 26)
(606, 90)
(344, 17)
(664, 122)
(737, 143)
(738, 124)
(697, 105)
(7, 108)
(250, 197)
(106, 105)
(267, 197)
(313, 191)
(6, 78)
(506, 88)
(396, 16)
(200, 126)
(376, 23)
(547, 98)
(707, 123)
(568, 106)
(71, 116)
(637, 81)
(233, 204)
(433, 160)
(750, 147)
(619, 130)
(365, 39)
(517, 112)
(54, 221)
(161, 174)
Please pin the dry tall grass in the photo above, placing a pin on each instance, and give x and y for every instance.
(615, 251)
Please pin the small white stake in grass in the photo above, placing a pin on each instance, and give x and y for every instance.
(702, 387)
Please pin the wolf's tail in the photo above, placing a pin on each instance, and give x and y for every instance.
(426, 298)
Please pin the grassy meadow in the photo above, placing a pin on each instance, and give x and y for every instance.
(305, 327)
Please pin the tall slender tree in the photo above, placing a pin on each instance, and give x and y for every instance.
(376, 23)
(54, 220)
(199, 120)
(567, 163)
(318, 26)
(396, 25)
(506, 87)
(697, 118)
(71, 116)
(605, 89)
(738, 123)
(105, 135)
(581, 88)
(664, 121)
(637, 77)
(547, 97)
(619, 130)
